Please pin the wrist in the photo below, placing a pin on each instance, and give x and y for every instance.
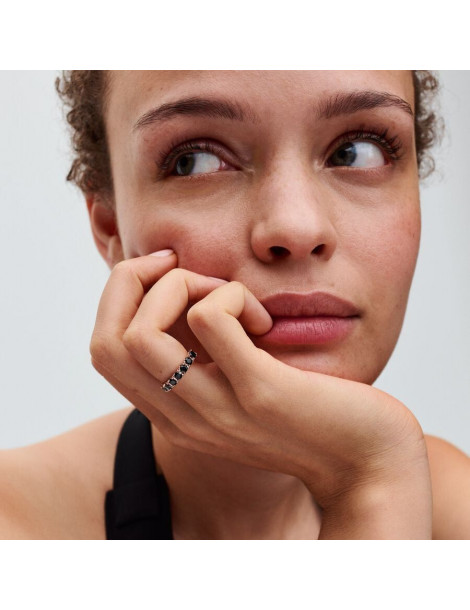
(395, 503)
(387, 451)
(380, 513)
(383, 493)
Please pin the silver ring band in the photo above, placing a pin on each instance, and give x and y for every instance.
(180, 371)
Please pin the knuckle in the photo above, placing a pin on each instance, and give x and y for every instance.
(136, 340)
(195, 432)
(123, 268)
(98, 366)
(182, 427)
(259, 399)
(238, 285)
(178, 438)
(177, 274)
(101, 349)
(201, 314)
(224, 420)
(173, 435)
(126, 272)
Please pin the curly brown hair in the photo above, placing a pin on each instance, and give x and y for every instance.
(84, 93)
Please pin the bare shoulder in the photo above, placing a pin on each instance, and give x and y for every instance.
(450, 474)
(55, 489)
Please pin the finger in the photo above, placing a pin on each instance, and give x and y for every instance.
(166, 301)
(203, 386)
(171, 414)
(219, 322)
(125, 289)
(121, 298)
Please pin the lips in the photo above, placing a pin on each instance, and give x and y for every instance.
(308, 305)
(316, 318)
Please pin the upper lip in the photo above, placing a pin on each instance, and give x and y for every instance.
(292, 304)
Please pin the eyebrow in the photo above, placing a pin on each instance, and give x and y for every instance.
(197, 106)
(336, 105)
(349, 103)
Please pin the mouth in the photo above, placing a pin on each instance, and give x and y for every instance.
(315, 318)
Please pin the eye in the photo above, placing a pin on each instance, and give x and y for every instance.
(358, 154)
(191, 159)
(194, 163)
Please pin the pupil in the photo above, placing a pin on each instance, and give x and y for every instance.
(346, 155)
(185, 164)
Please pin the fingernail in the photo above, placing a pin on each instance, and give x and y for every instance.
(166, 252)
(217, 279)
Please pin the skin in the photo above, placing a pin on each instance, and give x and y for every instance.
(271, 215)
(224, 225)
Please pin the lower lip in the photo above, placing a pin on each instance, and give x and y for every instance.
(316, 330)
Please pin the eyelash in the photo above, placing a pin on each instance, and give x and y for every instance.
(390, 144)
(175, 149)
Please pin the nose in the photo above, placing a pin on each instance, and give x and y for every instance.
(292, 219)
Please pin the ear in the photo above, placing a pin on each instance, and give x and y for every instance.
(104, 228)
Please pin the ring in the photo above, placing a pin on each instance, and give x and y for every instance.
(180, 371)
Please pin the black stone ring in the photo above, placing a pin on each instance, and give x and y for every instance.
(181, 370)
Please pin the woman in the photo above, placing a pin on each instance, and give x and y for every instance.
(269, 223)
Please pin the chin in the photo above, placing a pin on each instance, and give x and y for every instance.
(329, 363)
(344, 363)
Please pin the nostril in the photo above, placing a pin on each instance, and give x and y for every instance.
(279, 251)
(319, 249)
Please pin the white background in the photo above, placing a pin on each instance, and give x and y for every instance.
(52, 277)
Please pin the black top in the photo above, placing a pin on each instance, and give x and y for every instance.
(138, 507)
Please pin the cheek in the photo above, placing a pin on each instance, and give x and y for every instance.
(392, 259)
(213, 250)
(397, 248)
(203, 243)
(384, 262)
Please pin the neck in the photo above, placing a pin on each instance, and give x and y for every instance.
(214, 498)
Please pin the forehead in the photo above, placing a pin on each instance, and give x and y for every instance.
(271, 92)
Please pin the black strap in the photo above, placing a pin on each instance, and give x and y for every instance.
(138, 507)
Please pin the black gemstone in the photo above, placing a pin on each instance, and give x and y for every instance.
(188, 360)
(167, 387)
(177, 375)
(173, 381)
(183, 368)
(192, 354)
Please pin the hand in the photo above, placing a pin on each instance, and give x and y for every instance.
(355, 448)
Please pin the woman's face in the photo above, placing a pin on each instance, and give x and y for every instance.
(287, 181)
